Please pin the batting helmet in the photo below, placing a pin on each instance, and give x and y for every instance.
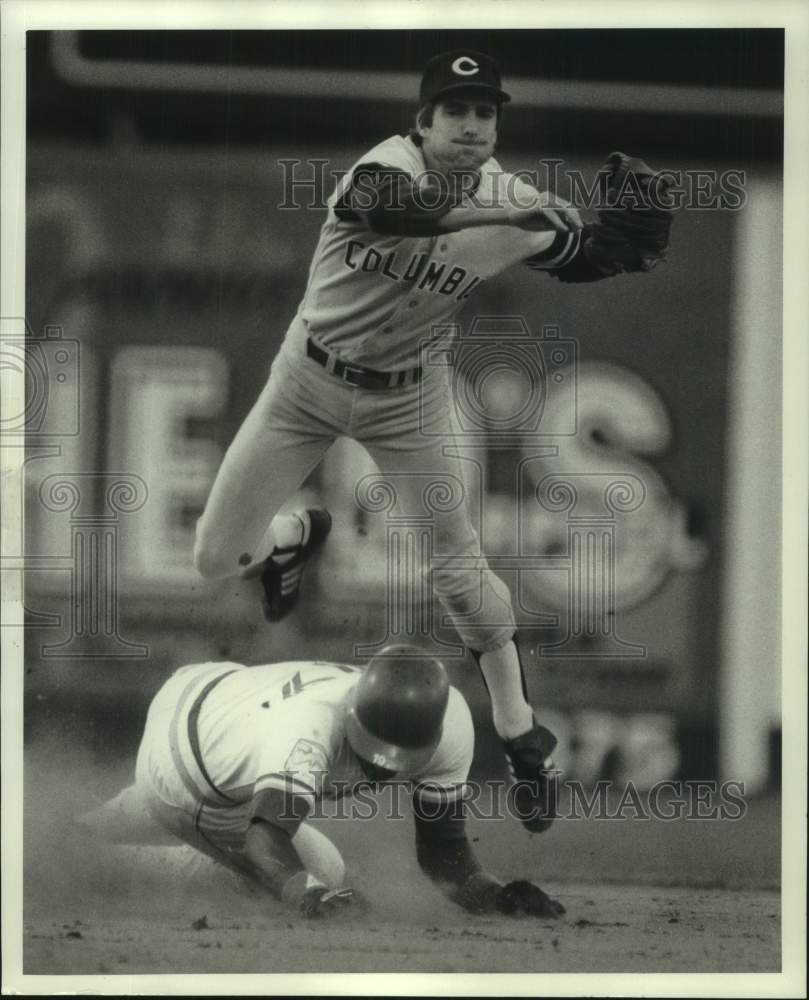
(396, 710)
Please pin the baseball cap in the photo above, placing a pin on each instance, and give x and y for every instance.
(461, 69)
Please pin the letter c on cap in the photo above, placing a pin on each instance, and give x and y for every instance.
(469, 70)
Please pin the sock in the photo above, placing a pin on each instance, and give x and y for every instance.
(289, 531)
(505, 682)
(286, 531)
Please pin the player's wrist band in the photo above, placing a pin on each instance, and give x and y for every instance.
(358, 375)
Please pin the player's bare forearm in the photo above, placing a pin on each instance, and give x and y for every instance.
(536, 218)
(401, 222)
(393, 203)
(277, 867)
(272, 858)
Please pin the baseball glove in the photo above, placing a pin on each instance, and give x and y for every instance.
(523, 897)
(632, 232)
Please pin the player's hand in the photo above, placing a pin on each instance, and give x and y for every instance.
(324, 902)
(547, 213)
(313, 898)
(522, 897)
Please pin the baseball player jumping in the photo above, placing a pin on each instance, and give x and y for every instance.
(233, 759)
(411, 230)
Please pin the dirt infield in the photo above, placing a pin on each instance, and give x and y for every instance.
(641, 896)
(612, 929)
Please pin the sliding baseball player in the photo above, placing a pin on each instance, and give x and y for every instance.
(234, 759)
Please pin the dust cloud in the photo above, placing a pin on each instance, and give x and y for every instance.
(69, 875)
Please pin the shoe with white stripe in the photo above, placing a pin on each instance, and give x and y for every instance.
(282, 581)
(536, 779)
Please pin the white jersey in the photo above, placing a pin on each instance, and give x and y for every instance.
(376, 299)
(219, 734)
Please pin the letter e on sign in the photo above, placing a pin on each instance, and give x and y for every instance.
(160, 398)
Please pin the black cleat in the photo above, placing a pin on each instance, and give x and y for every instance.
(282, 582)
(536, 779)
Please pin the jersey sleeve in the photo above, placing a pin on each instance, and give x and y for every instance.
(390, 201)
(384, 192)
(297, 752)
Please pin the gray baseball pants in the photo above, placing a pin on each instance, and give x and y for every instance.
(302, 410)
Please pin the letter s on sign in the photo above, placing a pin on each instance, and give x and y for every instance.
(622, 425)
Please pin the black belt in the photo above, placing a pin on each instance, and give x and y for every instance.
(359, 375)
